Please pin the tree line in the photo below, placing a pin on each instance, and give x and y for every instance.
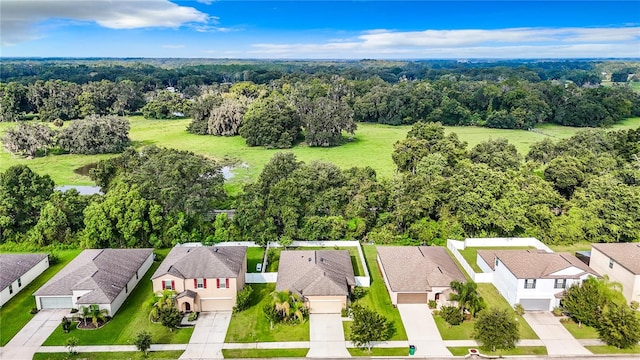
(583, 188)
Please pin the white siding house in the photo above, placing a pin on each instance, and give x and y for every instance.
(536, 279)
(18, 271)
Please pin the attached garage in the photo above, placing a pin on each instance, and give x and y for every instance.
(536, 304)
(56, 302)
(412, 298)
(326, 306)
(218, 304)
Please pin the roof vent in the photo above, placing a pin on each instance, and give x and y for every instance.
(215, 250)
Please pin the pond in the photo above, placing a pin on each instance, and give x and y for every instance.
(227, 171)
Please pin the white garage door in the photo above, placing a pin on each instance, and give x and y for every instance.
(325, 306)
(55, 302)
(217, 304)
(535, 304)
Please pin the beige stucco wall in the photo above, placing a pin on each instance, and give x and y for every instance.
(630, 282)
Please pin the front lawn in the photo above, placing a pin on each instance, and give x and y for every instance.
(130, 319)
(377, 297)
(519, 350)
(607, 349)
(255, 255)
(470, 253)
(251, 325)
(493, 299)
(263, 353)
(397, 351)
(358, 269)
(14, 315)
(129, 355)
(580, 332)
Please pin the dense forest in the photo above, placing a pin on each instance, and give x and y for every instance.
(583, 188)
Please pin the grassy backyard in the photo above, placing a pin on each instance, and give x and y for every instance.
(15, 314)
(520, 350)
(470, 253)
(254, 257)
(263, 353)
(493, 299)
(371, 146)
(358, 269)
(132, 317)
(251, 325)
(129, 355)
(377, 297)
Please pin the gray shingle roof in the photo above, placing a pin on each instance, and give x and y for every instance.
(418, 268)
(203, 262)
(14, 266)
(104, 272)
(625, 254)
(315, 272)
(535, 264)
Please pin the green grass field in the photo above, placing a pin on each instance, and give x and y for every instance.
(173, 354)
(520, 350)
(14, 315)
(131, 318)
(607, 349)
(263, 353)
(254, 257)
(397, 351)
(580, 332)
(377, 297)
(371, 146)
(470, 254)
(251, 325)
(494, 299)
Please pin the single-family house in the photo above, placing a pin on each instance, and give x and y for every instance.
(17, 271)
(417, 274)
(621, 262)
(323, 278)
(534, 278)
(205, 278)
(103, 277)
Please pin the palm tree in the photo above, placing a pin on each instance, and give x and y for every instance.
(281, 301)
(85, 312)
(298, 309)
(98, 314)
(165, 301)
(467, 297)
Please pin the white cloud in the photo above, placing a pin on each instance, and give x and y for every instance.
(499, 43)
(20, 19)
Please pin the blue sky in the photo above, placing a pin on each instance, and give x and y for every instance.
(320, 29)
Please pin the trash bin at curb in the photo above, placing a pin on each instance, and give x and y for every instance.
(412, 349)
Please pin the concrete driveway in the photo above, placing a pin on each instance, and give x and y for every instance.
(33, 334)
(422, 330)
(554, 336)
(208, 336)
(326, 336)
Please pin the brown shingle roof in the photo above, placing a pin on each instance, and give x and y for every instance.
(535, 264)
(315, 272)
(104, 272)
(625, 254)
(418, 268)
(14, 266)
(203, 262)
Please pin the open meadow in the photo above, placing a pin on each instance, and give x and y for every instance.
(372, 146)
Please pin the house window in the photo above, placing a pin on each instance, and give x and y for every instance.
(610, 263)
(200, 283)
(222, 283)
(167, 285)
(19, 282)
(530, 284)
(10, 289)
(560, 284)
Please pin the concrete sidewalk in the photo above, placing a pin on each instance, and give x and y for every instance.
(27, 341)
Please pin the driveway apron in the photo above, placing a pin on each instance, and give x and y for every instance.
(33, 334)
(422, 330)
(554, 336)
(208, 336)
(326, 336)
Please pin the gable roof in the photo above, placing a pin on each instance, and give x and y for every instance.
(209, 262)
(625, 254)
(536, 264)
(418, 268)
(103, 272)
(315, 272)
(15, 265)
